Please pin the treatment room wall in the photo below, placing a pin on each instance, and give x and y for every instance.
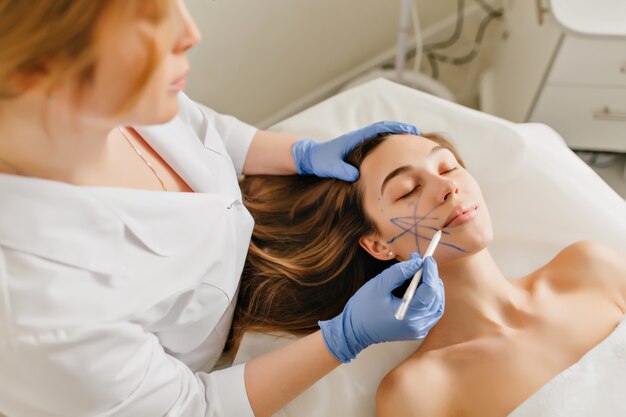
(257, 57)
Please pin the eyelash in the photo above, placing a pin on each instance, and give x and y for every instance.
(417, 186)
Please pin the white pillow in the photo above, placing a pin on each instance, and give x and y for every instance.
(540, 195)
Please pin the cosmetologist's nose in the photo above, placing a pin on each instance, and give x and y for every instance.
(190, 34)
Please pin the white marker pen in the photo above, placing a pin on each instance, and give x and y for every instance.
(410, 291)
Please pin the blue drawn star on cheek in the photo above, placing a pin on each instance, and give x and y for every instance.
(411, 225)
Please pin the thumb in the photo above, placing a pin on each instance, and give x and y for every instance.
(347, 172)
(431, 272)
(428, 287)
(395, 276)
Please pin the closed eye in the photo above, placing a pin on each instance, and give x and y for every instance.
(414, 189)
(410, 192)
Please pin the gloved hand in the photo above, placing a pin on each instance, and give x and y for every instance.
(369, 315)
(326, 159)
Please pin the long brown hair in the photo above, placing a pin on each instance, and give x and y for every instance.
(305, 261)
(34, 32)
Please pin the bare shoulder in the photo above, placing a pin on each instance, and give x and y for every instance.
(589, 263)
(592, 250)
(417, 387)
(590, 255)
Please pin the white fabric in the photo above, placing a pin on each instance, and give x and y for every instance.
(540, 195)
(594, 386)
(115, 301)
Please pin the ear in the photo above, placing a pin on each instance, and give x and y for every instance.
(376, 247)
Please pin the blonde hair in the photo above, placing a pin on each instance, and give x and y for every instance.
(304, 260)
(34, 32)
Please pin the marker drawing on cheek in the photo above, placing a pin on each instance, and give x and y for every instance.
(450, 245)
(411, 225)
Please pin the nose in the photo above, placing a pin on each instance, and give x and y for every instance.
(447, 188)
(189, 33)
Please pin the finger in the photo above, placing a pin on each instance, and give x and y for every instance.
(381, 128)
(425, 294)
(437, 308)
(440, 299)
(411, 266)
(393, 127)
(415, 255)
(431, 272)
(347, 172)
(395, 276)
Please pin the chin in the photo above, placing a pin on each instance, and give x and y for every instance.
(170, 109)
(479, 241)
(472, 241)
(168, 116)
(163, 114)
(479, 234)
(478, 238)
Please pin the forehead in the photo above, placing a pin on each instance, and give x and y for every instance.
(395, 151)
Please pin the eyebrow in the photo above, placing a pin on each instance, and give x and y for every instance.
(404, 168)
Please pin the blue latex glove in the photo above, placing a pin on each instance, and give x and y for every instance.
(369, 315)
(326, 159)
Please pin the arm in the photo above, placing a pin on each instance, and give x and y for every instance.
(270, 153)
(280, 154)
(121, 370)
(255, 152)
(276, 378)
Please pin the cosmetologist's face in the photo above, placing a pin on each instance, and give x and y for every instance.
(123, 50)
(413, 187)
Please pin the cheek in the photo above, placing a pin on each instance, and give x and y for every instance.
(118, 70)
(118, 75)
(405, 230)
(158, 104)
(110, 87)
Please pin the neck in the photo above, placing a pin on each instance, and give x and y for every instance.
(479, 300)
(47, 140)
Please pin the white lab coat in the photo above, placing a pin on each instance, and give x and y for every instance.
(116, 301)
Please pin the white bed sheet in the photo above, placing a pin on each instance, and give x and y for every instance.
(541, 197)
(593, 386)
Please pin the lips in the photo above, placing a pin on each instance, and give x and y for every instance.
(180, 79)
(458, 211)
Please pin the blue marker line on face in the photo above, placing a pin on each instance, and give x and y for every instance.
(410, 224)
(450, 245)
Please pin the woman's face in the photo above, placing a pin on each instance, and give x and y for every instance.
(413, 187)
(122, 53)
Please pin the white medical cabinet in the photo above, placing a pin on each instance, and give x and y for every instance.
(563, 63)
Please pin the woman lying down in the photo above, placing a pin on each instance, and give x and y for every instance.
(499, 340)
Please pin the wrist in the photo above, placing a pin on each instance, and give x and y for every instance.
(334, 336)
(301, 157)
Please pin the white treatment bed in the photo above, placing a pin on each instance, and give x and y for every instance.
(541, 197)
